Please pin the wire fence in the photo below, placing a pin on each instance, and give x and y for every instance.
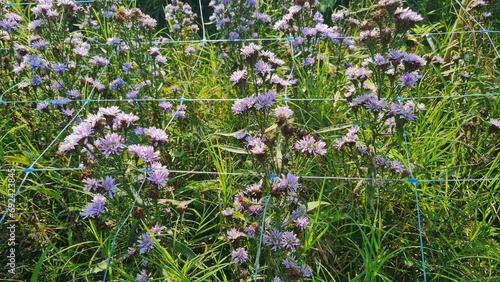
(84, 102)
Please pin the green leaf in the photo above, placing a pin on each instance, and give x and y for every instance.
(232, 149)
(313, 205)
(183, 250)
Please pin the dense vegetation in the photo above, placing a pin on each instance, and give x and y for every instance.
(250, 140)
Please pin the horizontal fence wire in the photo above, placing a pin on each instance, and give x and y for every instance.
(286, 99)
(271, 176)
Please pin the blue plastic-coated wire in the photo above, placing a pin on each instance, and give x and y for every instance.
(313, 177)
(285, 99)
(414, 182)
(54, 140)
(115, 237)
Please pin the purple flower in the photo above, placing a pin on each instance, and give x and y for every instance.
(59, 68)
(116, 84)
(257, 147)
(283, 112)
(149, 155)
(44, 105)
(408, 79)
(255, 209)
(272, 239)
(310, 146)
(308, 61)
(239, 255)
(125, 120)
(241, 105)
(111, 144)
(90, 184)
(240, 134)
(263, 69)
(233, 35)
(265, 101)
(238, 77)
(251, 231)
(73, 94)
(145, 243)
(165, 106)
(157, 229)
(108, 184)
(109, 112)
(83, 132)
(96, 208)
(227, 212)
(36, 80)
(494, 124)
(143, 276)
(289, 241)
(98, 61)
(156, 136)
(68, 112)
(301, 223)
(127, 67)
(286, 183)
(233, 235)
(159, 175)
(355, 73)
(34, 62)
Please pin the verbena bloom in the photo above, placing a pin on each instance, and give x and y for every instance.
(145, 243)
(111, 144)
(96, 208)
(239, 255)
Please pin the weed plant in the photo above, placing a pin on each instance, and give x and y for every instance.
(250, 140)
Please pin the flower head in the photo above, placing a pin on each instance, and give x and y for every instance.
(96, 208)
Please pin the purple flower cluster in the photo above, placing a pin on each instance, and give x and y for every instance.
(181, 20)
(310, 146)
(96, 208)
(349, 139)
